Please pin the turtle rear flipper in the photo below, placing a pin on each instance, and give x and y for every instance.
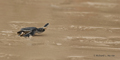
(20, 33)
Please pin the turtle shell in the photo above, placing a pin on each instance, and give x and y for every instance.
(28, 29)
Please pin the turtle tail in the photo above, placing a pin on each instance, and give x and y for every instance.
(46, 25)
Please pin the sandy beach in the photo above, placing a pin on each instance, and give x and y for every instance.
(78, 30)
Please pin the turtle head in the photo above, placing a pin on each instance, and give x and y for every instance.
(41, 29)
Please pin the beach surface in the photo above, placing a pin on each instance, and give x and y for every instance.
(78, 30)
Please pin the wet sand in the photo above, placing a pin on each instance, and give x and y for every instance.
(78, 30)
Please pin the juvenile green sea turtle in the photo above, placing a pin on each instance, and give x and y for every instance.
(30, 31)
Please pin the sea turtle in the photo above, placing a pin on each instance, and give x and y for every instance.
(30, 31)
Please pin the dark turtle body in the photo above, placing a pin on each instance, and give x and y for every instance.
(26, 32)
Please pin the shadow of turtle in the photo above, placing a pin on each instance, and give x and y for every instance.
(39, 35)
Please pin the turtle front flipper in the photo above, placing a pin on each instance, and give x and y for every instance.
(27, 35)
(31, 33)
(46, 25)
